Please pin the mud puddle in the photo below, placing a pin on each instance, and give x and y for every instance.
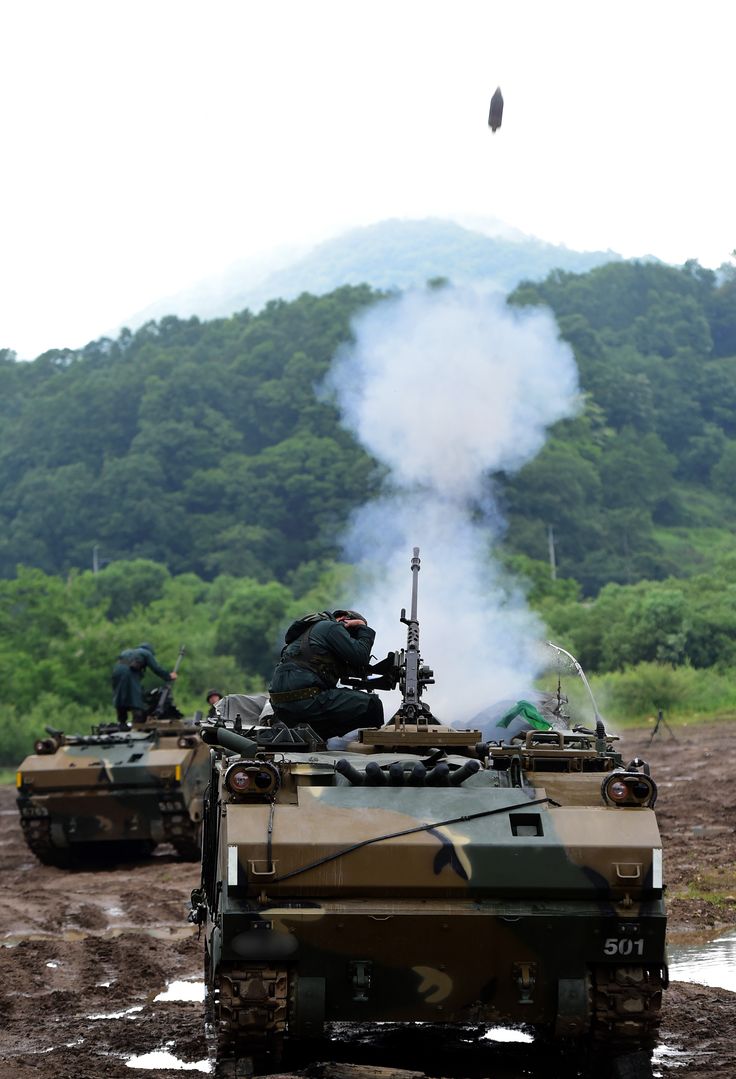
(72, 936)
(182, 992)
(710, 962)
(162, 1058)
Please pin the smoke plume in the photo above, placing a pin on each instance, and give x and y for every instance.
(443, 387)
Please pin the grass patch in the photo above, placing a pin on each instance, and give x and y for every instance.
(695, 550)
(716, 886)
(705, 508)
(685, 695)
(673, 719)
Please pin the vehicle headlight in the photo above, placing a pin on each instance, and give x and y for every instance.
(629, 789)
(252, 778)
(44, 745)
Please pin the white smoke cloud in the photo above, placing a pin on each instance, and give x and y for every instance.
(442, 387)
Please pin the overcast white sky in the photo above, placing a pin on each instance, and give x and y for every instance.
(149, 143)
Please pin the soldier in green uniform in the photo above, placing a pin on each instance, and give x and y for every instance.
(212, 697)
(127, 675)
(320, 650)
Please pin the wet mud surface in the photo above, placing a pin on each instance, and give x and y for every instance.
(84, 954)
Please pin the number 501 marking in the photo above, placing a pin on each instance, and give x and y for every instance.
(623, 946)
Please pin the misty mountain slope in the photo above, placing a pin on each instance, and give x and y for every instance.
(391, 254)
(399, 254)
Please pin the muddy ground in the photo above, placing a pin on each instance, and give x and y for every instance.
(84, 954)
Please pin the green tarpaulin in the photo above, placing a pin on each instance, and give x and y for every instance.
(531, 714)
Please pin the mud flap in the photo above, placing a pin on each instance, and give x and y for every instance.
(632, 1066)
(157, 830)
(310, 1007)
(573, 1007)
(59, 837)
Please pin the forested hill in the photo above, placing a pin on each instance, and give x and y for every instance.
(202, 445)
(199, 445)
(642, 486)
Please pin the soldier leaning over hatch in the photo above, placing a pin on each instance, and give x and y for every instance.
(320, 650)
(127, 676)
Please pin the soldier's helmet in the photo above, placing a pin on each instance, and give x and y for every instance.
(350, 614)
(212, 693)
(147, 646)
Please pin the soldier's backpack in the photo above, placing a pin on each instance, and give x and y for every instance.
(306, 622)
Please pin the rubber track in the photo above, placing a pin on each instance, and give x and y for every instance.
(251, 1005)
(627, 1004)
(37, 834)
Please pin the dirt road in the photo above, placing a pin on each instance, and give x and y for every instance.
(86, 954)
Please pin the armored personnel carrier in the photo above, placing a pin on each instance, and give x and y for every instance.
(423, 875)
(116, 792)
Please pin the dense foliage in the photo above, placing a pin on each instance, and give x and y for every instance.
(200, 445)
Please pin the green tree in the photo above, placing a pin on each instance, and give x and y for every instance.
(723, 473)
(560, 489)
(123, 586)
(250, 624)
(636, 471)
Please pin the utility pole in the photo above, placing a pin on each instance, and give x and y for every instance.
(95, 559)
(551, 545)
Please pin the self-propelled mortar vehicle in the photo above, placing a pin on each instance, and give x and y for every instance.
(117, 791)
(421, 875)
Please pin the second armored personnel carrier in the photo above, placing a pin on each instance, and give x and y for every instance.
(115, 792)
(421, 875)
